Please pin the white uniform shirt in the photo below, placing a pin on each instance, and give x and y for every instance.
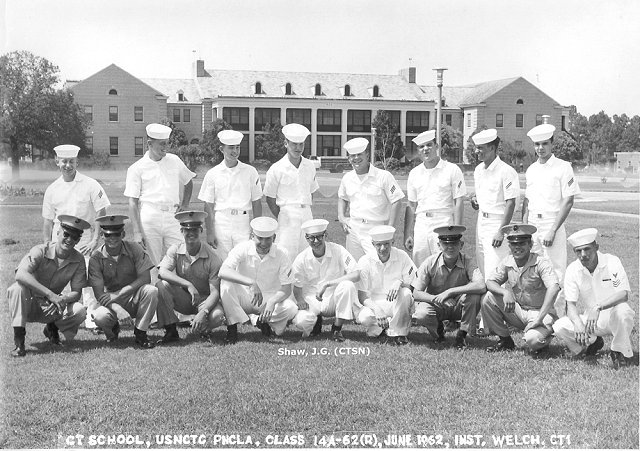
(548, 184)
(83, 197)
(231, 188)
(157, 182)
(376, 277)
(291, 185)
(608, 277)
(309, 272)
(371, 197)
(436, 188)
(270, 272)
(494, 185)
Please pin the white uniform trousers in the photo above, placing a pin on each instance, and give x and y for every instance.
(290, 235)
(340, 301)
(487, 256)
(358, 240)
(495, 318)
(172, 297)
(425, 242)
(231, 228)
(398, 311)
(25, 307)
(616, 321)
(161, 230)
(141, 306)
(237, 306)
(557, 253)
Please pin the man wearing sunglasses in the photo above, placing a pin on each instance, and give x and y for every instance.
(119, 273)
(36, 295)
(521, 293)
(448, 286)
(324, 276)
(385, 288)
(189, 281)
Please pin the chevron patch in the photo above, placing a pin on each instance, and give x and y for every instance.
(393, 189)
(615, 275)
(347, 261)
(459, 183)
(570, 182)
(509, 184)
(289, 273)
(616, 283)
(410, 270)
(100, 194)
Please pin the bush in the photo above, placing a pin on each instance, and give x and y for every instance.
(99, 160)
(191, 155)
(392, 164)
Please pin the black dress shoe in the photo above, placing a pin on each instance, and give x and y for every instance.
(337, 336)
(504, 344)
(232, 335)
(171, 335)
(460, 343)
(18, 352)
(51, 332)
(317, 328)
(115, 330)
(401, 340)
(142, 339)
(619, 361)
(594, 347)
(264, 328)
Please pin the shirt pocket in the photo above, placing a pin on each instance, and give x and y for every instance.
(288, 179)
(372, 190)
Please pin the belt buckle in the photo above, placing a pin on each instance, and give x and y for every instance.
(428, 214)
(485, 215)
(364, 221)
(234, 212)
(539, 215)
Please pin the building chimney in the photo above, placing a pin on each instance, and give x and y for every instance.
(199, 69)
(545, 118)
(409, 74)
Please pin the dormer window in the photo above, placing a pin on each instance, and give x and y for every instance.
(376, 91)
(318, 90)
(519, 102)
(257, 88)
(181, 96)
(347, 90)
(113, 92)
(287, 89)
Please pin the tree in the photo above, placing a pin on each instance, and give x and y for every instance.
(388, 143)
(33, 111)
(270, 145)
(177, 138)
(566, 147)
(211, 144)
(451, 141)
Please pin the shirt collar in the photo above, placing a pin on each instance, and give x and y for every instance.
(254, 253)
(202, 253)
(459, 262)
(50, 253)
(124, 250)
(494, 164)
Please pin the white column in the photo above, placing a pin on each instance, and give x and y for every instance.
(252, 134)
(344, 131)
(314, 131)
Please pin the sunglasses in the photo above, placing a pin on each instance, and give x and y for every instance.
(73, 236)
(112, 234)
(314, 237)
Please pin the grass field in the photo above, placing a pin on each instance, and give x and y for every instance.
(259, 388)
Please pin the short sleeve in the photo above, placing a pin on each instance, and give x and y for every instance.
(422, 278)
(510, 185)
(234, 257)
(207, 190)
(286, 272)
(170, 259)
(500, 274)
(214, 268)
(99, 197)
(458, 186)
(256, 187)
(140, 258)
(79, 279)
(48, 212)
(547, 273)
(568, 181)
(185, 175)
(618, 274)
(392, 188)
(365, 274)
(348, 260)
(32, 260)
(313, 186)
(571, 287)
(271, 183)
(95, 272)
(408, 270)
(300, 278)
(412, 191)
(342, 190)
(133, 182)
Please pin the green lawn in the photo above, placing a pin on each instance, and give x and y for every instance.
(360, 387)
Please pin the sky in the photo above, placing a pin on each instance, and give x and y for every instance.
(580, 52)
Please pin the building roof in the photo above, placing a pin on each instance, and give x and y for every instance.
(239, 83)
(473, 94)
(170, 87)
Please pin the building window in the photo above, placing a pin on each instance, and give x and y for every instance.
(88, 112)
(417, 121)
(176, 115)
(266, 116)
(113, 114)
(329, 146)
(138, 114)
(376, 91)
(238, 118)
(519, 102)
(113, 146)
(499, 120)
(347, 90)
(329, 120)
(394, 115)
(563, 126)
(138, 150)
(359, 121)
(299, 116)
(519, 120)
(180, 96)
(468, 119)
(518, 145)
(88, 144)
(287, 89)
(538, 119)
(186, 115)
(318, 90)
(113, 92)
(448, 119)
(258, 88)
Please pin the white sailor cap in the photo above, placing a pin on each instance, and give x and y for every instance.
(314, 226)
(264, 226)
(230, 137)
(424, 137)
(382, 233)
(158, 131)
(583, 237)
(356, 145)
(295, 133)
(541, 133)
(485, 136)
(66, 151)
